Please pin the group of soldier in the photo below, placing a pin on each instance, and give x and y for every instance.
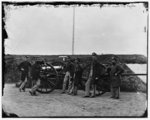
(73, 76)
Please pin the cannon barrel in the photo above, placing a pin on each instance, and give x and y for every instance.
(132, 74)
(128, 74)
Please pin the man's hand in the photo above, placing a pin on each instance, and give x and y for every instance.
(22, 69)
(116, 74)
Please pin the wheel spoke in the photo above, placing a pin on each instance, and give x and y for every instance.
(50, 79)
(48, 87)
(44, 86)
(51, 83)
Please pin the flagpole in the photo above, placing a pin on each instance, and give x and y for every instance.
(73, 30)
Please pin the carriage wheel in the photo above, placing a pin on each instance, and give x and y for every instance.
(59, 66)
(49, 83)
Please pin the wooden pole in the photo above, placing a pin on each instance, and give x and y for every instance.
(73, 31)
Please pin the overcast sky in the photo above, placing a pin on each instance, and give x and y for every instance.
(47, 30)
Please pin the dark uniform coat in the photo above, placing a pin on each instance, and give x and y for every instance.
(25, 65)
(98, 70)
(35, 71)
(70, 68)
(24, 68)
(115, 75)
(77, 74)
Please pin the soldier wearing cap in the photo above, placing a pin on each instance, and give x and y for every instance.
(69, 72)
(115, 78)
(94, 74)
(24, 67)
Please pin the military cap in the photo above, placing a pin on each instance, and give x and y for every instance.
(114, 59)
(78, 59)
(68, 57)
(94, 54)
(72, 59)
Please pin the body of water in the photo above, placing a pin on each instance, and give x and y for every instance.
(139, 68)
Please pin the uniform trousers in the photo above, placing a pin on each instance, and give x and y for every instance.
(24, 79)
(67, 78)
(36, 86)
(115, 92)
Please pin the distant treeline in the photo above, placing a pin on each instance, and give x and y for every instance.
(104, 58)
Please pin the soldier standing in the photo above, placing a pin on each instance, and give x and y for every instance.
(35, 74)
(24, 67)
(115, 77)
(69, 72)
(77, 76)
(93, 76)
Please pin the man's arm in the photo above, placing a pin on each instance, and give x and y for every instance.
(120, 70)
(19, 66)
(72, 69)
(30, 64)
(29, 73)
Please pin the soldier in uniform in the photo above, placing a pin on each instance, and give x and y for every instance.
(77, 75)
(35, 74)
(69, 72)
(93, 76)
(24, 67)
(115, 77)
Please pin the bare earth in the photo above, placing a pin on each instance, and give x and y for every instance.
(56, 104)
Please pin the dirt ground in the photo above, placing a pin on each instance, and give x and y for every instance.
(56, 104)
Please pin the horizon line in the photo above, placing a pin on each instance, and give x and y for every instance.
(73, 54)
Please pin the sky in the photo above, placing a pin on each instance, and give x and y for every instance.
(48, 30)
